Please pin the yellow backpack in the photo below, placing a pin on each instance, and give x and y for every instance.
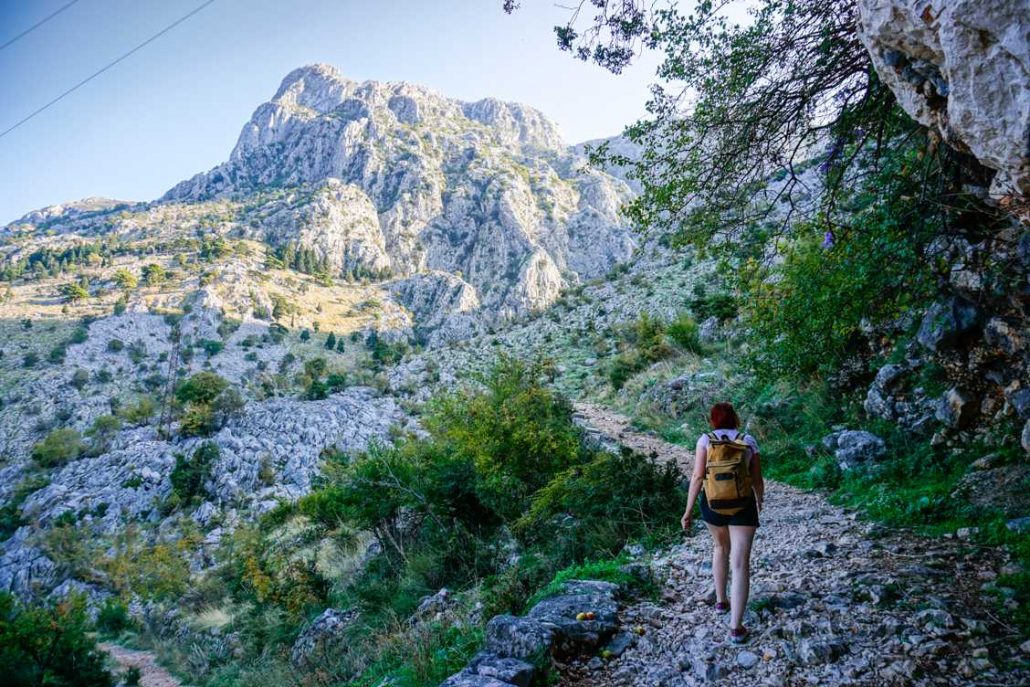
(727, 474)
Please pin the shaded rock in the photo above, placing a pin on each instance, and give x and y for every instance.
(619, 643)
(321, 638)
(852, 448)
(486, 666)
(433, 606)
(1019, 524)
(1004, 488)
(815, 651)
(957, 408)
(508, 635)
(945, 323)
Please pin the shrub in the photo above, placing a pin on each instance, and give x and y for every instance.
(30, 359)
(102, 432)
(197, 420)
(74, 291)
(57, 353)
(211, 347)
(49, 645)
(517, 433)
(684, 333)
(315, 367)
(317, 390)
(125, 279)
(722, 306)
(611, 500)
(115, 345)
(79, 335)
(189, 474)
(79, 379)
(202, 388)
(132, 676)
(59, 447)
(113, 618)
(154, 274)
(330, 341)
(139, 411)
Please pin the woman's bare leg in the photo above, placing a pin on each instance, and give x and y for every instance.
(740, 549)
(720, 559)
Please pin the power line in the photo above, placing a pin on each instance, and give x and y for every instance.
(39, 23)
(108, 66)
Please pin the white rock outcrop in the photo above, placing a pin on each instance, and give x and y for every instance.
(962, 68)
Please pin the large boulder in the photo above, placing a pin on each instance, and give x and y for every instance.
(509, 635)
(490, 670)
(855, 447)
(321, 637)
(945, 323)
(550, 627)
(1005, 488)
(957, 408)
(961, 68)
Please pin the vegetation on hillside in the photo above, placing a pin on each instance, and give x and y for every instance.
(499, 498)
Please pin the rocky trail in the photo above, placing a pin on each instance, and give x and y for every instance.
(834, 601)
(151, 674)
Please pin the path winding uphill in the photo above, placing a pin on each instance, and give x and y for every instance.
(835, 601)
(151, 674)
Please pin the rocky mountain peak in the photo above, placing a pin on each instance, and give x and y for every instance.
(485, 191)
(319, 87)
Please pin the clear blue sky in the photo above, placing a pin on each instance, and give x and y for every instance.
(176, 107)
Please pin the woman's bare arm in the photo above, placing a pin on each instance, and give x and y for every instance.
(697, 479)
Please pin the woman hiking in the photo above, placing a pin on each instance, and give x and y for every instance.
(728, 476)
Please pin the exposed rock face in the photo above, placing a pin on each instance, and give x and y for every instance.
(395, 176)
(322, 637)
(853, 448)
(962, 68)
(552, 626)
(282, 435)
(337, 221)
(441, 302)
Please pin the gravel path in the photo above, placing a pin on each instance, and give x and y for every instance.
(152, 674)
(835, 601)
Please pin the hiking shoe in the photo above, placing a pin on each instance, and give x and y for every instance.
(739, 635)
(722, 606)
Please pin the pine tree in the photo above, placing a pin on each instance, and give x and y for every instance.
(330, 342)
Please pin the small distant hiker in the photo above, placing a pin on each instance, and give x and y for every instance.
(728, 476)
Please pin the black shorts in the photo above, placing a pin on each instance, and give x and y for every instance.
(745, 518)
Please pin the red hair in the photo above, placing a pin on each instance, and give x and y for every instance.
(723, 416)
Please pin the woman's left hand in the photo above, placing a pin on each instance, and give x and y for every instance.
(686, 521)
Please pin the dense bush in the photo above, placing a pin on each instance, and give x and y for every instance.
(203, 387)
(189, 474)
(48, 645)
(138, 411)
(683, 331)
(705, 304)
(58, 447)
(642, 344)
(113, 618)
(503, 457)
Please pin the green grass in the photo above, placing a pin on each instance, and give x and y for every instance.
(609, 570)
